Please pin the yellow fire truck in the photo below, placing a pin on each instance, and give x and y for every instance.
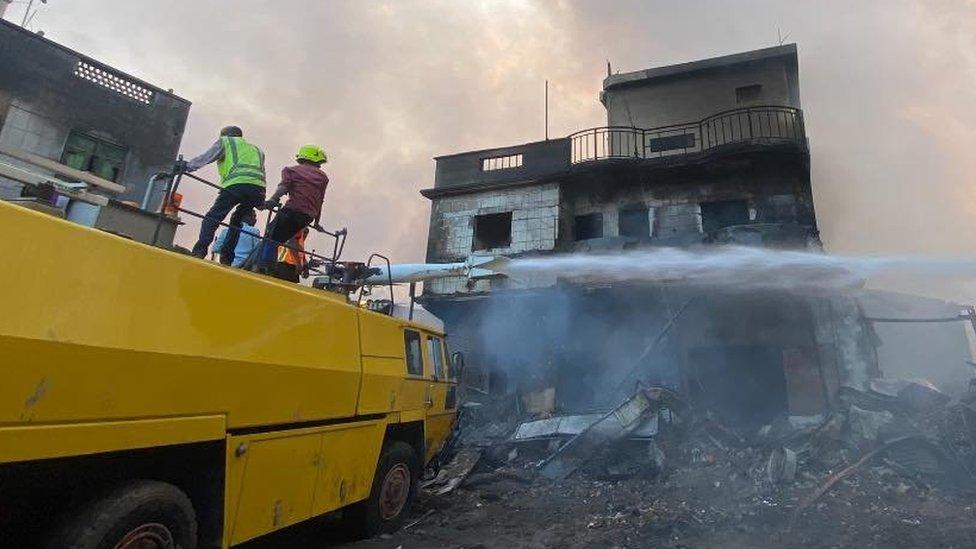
(151, 399)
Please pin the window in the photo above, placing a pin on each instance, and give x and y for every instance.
(716, 215)
(634, 222)
(453, 364)
(115, 81)
(748, 94)
(436, 350)
(90, 154)
(450, 400)
(415, 361)
(501, 162)
(589, 226)
(492, 231)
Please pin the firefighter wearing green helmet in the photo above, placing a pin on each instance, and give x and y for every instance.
(305, 185)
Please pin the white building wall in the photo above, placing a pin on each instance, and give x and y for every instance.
(535, 215)
(535, 226)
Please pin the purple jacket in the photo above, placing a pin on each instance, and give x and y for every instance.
(305, 186)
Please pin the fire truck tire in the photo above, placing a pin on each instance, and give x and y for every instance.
(132, 515)
(392, 495)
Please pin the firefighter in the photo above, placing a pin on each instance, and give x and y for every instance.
(293, 264)
(242, 181)
(305, 185)
(250, 240)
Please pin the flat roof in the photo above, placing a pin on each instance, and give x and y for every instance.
(51, 43)
(622, 79)
(493, 150)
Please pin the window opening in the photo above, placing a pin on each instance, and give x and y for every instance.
(717, 215)
(748, 94)
(634, 222)
(492, 231)
(501, 162)
(589, 226)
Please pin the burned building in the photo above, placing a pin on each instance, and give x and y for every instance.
(697, 154)
(691, 153)
(61, 105)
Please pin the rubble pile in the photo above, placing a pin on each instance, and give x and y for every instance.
(890, 465)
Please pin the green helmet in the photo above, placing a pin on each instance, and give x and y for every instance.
(312, 153)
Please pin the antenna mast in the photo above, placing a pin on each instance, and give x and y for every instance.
(547, 110)
(28, 14)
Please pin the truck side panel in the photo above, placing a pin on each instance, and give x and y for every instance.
(277, 483)
(31, 442)
(278, 479)
(386, 385)
(346, 474)
(129, 331)
(382, 385)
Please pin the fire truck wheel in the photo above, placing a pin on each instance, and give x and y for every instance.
(393, 493)
(141, 514)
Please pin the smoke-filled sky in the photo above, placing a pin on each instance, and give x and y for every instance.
(888, 87)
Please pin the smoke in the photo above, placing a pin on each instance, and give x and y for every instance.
(591, 347)
(703, 320)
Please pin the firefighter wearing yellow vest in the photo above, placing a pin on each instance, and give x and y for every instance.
(242, 184)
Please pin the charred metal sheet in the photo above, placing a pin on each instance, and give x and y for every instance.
(615, 425)
(573, 425)
(454, 473)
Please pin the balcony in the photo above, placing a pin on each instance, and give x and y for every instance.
(762, 125)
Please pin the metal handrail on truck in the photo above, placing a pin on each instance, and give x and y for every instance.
(389, 279)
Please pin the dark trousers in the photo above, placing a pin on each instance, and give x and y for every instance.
(285, 226)
(286, 271)
(246, 197)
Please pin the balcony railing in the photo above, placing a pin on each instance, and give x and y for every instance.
(765, 124)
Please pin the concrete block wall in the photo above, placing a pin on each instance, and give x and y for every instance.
(586, 205)
(666, 217)
(700, 89)
(774, 208)
(28, 131)
(677, 219)
(674, 210)
(535, 226)
(535, 215)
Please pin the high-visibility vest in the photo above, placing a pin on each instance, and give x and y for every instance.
(290, 256)
(243, 163)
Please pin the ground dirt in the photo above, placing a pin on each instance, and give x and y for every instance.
(700, 484)
(705, 513)
(702, 505)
